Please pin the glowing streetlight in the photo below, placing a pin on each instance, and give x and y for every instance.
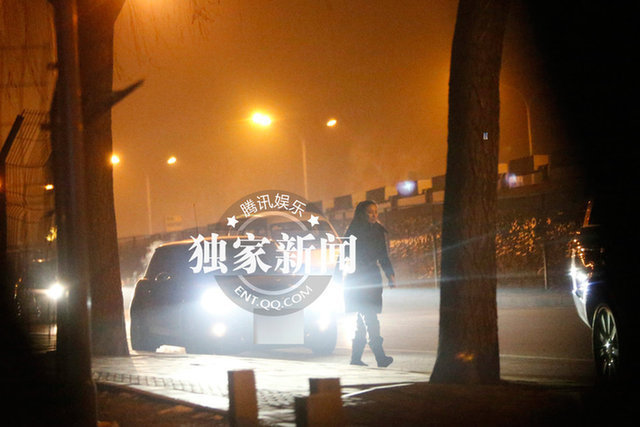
(261, 119)
(171, 160)
(115, 159)
(331, 123)
(52, 235)
(48, 187)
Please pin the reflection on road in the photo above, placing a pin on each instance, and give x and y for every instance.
(541, 341)
(540, 338)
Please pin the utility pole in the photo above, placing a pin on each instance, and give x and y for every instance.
(73, 349)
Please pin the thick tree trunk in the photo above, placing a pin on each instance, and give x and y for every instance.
(95, 32)
(468, 340)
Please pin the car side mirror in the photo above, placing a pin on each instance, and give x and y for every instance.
(162, 277)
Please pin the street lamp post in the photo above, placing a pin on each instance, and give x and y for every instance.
(264, 120)
(148, 188)
(304, 168)
(526, 104)
(528, 112)
(170, 161)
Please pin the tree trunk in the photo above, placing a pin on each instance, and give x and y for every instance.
(468, 340)
(95, 33)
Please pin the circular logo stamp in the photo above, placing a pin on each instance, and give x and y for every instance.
(275, 253)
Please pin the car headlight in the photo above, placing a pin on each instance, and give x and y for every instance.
(323, 322)
(219, 329)
(214, 301)
(330, 301)
(55, 291)
(580, 281)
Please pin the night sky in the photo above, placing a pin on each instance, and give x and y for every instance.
(380, 68)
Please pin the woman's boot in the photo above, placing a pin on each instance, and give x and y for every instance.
(357, 347)
(382, 359)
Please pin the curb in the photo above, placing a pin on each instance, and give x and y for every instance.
(106, 386)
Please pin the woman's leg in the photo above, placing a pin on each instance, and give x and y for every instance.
(372, 323)
(359, 342)
(375, 340)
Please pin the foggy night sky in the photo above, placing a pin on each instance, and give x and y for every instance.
(380, 68)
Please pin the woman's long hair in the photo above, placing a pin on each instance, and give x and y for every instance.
(360, 220)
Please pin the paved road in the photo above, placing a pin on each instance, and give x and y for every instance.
(541, 336)
(541, 340)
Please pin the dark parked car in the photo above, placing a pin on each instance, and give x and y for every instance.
(174, 305)
(36, 292)
(603, 289)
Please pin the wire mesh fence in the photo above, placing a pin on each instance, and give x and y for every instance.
(30, 193)
(30, 222)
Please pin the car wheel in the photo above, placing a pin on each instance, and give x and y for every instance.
(141, 338)
(606, 344)
(322, 343)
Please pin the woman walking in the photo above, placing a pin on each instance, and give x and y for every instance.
(363, 288)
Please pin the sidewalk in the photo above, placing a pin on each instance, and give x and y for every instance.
(371, 396)
(202, 379)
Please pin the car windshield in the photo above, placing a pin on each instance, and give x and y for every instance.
(40, 274)
(272, 227)
(293, 229)
(173, 259)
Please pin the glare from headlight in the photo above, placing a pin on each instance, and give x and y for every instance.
(219, 329)
(349, 327)
(214, 301)
(55, 291)
(580, 282)
(323, 322)
(583, 280)
(330, 301)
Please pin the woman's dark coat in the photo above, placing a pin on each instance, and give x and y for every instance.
(363, 288)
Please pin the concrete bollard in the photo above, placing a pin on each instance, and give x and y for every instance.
(323, 407)
(324, 385)
(243, 404)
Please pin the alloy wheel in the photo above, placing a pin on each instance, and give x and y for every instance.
(606, 348)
